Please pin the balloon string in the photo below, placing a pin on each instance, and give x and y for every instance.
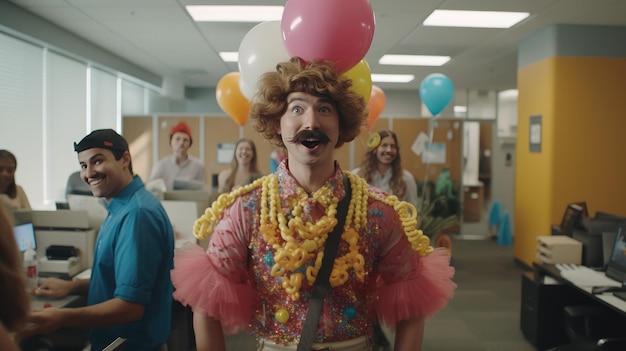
(431, 130)
(364, 141)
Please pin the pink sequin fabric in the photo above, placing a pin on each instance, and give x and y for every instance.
(232, 281)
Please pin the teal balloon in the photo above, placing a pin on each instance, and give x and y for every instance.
(436, 91)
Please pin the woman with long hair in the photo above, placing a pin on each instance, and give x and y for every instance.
(243, 168)
(382, 167)
(11, 193)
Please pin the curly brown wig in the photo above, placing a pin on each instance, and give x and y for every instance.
(317, 78)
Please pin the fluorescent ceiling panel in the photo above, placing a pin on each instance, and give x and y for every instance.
(474, 19)
(460, 109)
(413, 60)
(201, 13)
(392, 78)
(509, 94)
(229, 56)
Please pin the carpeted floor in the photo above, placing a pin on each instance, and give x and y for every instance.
(484, 313)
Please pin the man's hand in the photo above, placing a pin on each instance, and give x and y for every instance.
(55, 288)
(43, 322)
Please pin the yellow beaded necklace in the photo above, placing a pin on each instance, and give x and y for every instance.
(291, 254)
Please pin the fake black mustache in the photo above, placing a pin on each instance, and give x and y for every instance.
(306, 134)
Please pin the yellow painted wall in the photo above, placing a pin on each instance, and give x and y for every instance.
(583, 156)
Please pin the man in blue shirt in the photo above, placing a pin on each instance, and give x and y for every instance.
(130, 291)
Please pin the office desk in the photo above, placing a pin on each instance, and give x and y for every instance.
(66, 339)
(545, 293)
(607, 299)
(37, 302)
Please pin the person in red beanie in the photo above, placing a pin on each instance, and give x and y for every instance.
(180, 170)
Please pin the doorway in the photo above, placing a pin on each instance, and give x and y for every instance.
(477, 166)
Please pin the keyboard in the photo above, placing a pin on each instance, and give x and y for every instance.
(585, 276)
(620, 294)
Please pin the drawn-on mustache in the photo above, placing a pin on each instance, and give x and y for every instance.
(307, 134)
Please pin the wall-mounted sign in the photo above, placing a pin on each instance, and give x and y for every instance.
(434, 153)
(534, 133)
(225, 152)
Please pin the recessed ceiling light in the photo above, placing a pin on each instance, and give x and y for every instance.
(460, 109)
(392, 78)
(474, 19)
(201, 13)
(413, 60)
(229, 56)
(509, 94)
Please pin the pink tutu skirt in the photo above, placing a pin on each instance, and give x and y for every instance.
(197, 283)
(420, 297)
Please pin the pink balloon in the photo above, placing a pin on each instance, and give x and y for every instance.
(335, 30)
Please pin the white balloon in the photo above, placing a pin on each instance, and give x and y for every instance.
(259, 52)
(245, 90)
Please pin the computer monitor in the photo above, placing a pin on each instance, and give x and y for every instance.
(608, 242)
(60, 205)
(607, 216)
(583, 205)
(574, 212)
(592, 233)
(25, 236)
(616, 269)
(187, 185)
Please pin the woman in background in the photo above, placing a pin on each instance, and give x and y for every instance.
(14, 305)
(12, 194)
(243, 168)
(382, 167)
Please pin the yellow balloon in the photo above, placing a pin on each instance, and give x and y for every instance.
(361, 79)
(373, 141)
(282, 316)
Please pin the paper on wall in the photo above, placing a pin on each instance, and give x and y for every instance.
(419, 145)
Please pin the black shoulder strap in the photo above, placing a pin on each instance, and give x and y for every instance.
(322, 285)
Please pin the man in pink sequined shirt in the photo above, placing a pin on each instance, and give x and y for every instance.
(268, 237)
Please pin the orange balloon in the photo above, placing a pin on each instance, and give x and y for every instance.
(231, 99)
(376, 105)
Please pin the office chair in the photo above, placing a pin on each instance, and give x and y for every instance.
(591, 328)
(75, 185)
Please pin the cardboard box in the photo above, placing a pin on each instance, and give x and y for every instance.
(559, 249)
